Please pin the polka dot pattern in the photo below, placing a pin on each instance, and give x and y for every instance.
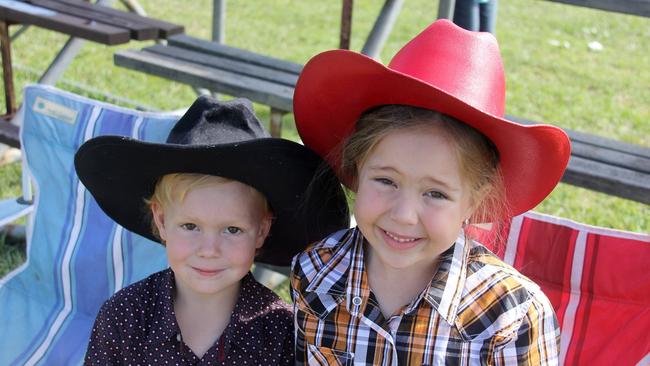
(137, 326)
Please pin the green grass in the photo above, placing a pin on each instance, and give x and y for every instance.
(604, 93)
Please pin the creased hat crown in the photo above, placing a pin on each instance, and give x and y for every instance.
(212, 122)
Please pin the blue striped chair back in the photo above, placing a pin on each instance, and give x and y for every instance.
(76, 256)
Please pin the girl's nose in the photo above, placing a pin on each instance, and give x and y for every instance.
(405, 210)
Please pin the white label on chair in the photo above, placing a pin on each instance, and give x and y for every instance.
(55, 110)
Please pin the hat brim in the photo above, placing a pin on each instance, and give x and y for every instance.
(121, 172)
(336, 87)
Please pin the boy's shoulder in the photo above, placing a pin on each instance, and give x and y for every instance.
(260, 304)
(141, 295)
(504, 297)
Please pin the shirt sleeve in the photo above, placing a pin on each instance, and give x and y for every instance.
(537, 341)
(103, 348)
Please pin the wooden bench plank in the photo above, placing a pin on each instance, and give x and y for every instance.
(632, 7)
(608, 151)
(139, 30)
(9, 134)
(213, 48)
(227, 64)
(74, 26)
(608, 179)
(226, 82)
(166, 29)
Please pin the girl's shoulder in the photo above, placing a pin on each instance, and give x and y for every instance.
(505, 297)
(320, 252)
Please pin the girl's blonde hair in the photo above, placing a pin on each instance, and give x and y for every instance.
(477, 156)
(173, 188)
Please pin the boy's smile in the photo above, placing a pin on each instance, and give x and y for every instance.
(212, 236)
(411, 198)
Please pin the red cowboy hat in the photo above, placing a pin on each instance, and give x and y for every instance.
(447, 69)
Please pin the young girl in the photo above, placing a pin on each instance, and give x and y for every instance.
(424, 145)
(218, 194)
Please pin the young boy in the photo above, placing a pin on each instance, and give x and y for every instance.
(218, 193)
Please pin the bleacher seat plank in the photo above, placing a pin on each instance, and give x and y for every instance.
(138, 29)
(226, 82)
(166, 29)
(226, 64)
(9, 134)
(78, 27)
(241, 55)
(632, 7)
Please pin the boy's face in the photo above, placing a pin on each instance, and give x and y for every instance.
(212, 236)
(411, 199)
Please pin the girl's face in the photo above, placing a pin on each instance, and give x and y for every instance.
(212, 236)
(411, 199)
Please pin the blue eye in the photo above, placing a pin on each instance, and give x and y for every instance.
(189, 226)
(436, 195)
(233, 230)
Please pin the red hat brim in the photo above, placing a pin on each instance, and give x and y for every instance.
(336, 87)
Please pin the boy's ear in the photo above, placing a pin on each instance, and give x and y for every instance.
(264, 229)
(158, 215)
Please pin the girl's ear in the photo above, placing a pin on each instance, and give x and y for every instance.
(158, 214)
(265, 227)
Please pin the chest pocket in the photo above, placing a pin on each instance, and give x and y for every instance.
(322, 356)
(319, 305)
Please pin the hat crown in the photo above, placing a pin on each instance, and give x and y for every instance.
(212, 122)
(464, 64)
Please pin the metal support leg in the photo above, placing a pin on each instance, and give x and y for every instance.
(219, 21)
(382, 28)
(134, 7)
(276, 122)
(7, 71)
(346, 24)
(446, 9)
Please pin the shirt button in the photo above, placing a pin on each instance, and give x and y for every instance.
(178, 337)
(356, 300)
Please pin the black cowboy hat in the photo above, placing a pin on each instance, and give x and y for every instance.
(223, 139)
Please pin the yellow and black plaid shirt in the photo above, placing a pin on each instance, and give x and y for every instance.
(476, 310)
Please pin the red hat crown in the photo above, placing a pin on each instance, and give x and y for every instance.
(461, 63)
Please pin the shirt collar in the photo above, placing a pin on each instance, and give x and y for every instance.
(345, 274)
(245, 318)
(246, 326)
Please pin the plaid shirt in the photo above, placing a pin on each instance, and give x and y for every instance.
(476, 310)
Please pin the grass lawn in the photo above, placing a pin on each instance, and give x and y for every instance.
(552, 75)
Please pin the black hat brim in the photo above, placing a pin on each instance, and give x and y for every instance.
(121, 173)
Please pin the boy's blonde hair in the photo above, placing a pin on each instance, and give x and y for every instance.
(173, 188)
(477, 156)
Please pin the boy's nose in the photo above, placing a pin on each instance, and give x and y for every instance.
(405, 211)
(210, 246)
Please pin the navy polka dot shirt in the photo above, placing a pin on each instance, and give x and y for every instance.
(137, 326)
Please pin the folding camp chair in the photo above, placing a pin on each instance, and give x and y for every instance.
(76, 256)
(598, 282)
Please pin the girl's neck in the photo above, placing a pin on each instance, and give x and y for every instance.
(396, 287)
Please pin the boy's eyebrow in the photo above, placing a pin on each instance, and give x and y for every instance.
(427, 178)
